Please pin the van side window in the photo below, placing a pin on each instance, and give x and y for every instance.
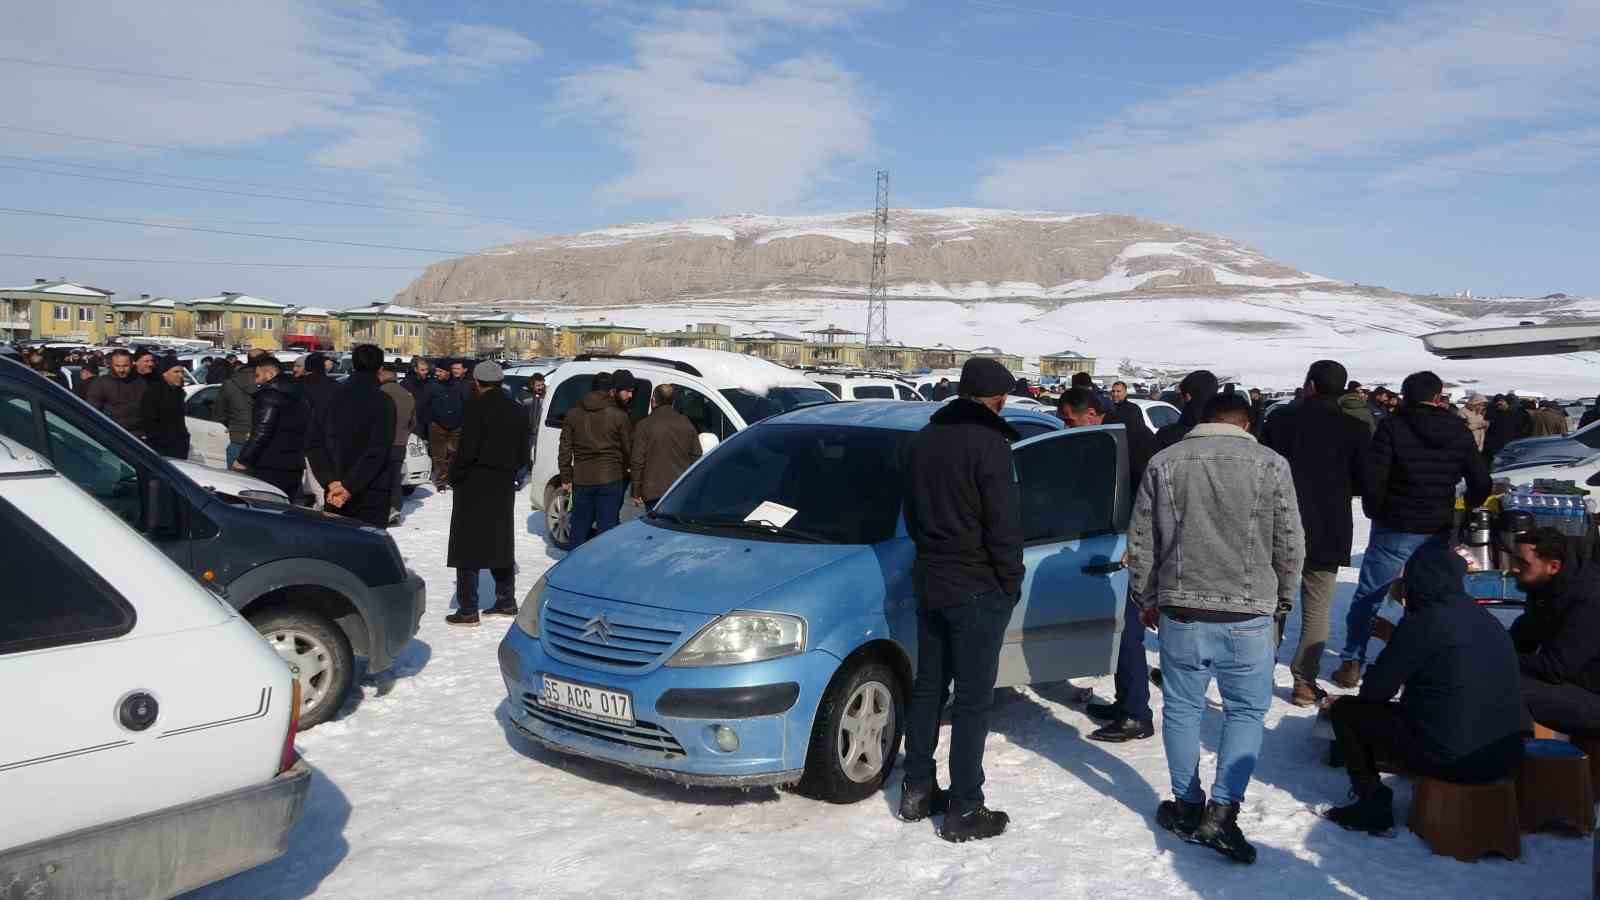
(702, 411)
(53, 598)
(101, 473)
(566, 397)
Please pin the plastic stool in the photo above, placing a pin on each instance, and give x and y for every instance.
(1554, 787)
(1466, 821)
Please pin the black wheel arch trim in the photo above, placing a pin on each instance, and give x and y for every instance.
(729, 703)
(301, 572)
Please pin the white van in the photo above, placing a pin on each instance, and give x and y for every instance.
(148, 746)
(721, 393)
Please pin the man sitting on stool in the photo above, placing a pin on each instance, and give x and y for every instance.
(1459, 719)
(1558, 638)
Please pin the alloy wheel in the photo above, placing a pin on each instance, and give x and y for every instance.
(309, 660)
(865, 731)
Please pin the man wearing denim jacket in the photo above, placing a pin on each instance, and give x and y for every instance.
(1215, 550)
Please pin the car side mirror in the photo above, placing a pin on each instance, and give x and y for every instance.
(708, 442)
(159, 516)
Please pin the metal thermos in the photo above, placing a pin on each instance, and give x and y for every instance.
(1479, 541)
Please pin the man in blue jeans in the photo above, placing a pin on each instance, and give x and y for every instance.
(596, 444)
(964, 513)
(1215, 547)
(1417, 457)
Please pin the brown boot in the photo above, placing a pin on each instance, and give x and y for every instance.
(1305, 693)
(1348, 675)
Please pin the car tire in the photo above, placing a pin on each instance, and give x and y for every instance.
(318, 654)
(558, 516)
(853, 743)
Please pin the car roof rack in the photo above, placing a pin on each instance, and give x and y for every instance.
(678, 364)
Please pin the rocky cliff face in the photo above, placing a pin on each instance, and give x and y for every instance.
(964, 254)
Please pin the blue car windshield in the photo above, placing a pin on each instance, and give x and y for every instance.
(754, 407)
(822, 483)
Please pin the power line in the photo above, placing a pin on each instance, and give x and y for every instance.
(251, 234)
(103, 70)
(1372, 10)
(201, 262)
(205, 190)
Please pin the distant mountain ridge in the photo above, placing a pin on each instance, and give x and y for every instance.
(955, 254)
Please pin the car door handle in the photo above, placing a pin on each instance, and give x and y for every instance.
(1108, 568)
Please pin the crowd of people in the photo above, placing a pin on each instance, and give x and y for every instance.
(1237, 518)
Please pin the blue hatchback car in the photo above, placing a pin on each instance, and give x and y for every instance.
(759, 628)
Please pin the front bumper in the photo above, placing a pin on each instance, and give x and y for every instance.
(163, 853)
(781, 695)
(399, 609)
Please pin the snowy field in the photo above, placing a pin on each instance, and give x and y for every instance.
(422, 790)
(1265, 339)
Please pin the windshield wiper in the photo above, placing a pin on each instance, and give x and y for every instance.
(783, 530)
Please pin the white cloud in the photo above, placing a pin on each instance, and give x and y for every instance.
(481, 47)
(1443, 82)
(706, 127)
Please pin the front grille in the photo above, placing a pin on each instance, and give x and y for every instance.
(640, 736)
(631, 641)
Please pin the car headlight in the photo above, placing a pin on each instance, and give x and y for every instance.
(532, 606)
(743, 637)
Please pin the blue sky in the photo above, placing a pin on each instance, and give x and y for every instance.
(1421, 146)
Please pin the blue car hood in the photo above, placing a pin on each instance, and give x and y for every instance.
(688, 571)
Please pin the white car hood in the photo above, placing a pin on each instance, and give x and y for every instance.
(225, 482)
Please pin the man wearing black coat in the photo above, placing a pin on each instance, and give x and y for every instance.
(1558, 638)
(161, 410)
(348, 447)
(1326, 449)
(275, 451)
(963, 511)
(1128, 716)
(494, 447)
(1416, 458)
(318, 390)
(446, 405)
(1508, 422)
(1459, 719)
(1196, 389)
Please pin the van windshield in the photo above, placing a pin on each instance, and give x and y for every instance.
(830, 484)
(754, 407)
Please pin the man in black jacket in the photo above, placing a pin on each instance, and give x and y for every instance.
(1417, 456)
(494, 447)
(1128, 717)
(348, 447)
(161, 410)
(275, 451)
(446, 405)
(1558, 638)
(1459, 717)
(1326, 449)
(1508, 422)
(1196, 389)
(964, 513)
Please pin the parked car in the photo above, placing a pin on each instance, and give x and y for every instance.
(149, 744)
(1543, 451)
(323, 589)
(518, 376)
(1157, 414)
(720, 392)
(849, 386)
(758, 627)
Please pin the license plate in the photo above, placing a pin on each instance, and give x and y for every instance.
(589, 702)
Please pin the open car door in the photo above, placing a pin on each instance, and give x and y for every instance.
(1075, 509)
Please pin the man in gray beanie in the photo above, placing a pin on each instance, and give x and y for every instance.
(964, 513)
(493, 448)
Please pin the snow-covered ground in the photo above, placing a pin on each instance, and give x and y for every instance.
(422, 790)
(1265, 339)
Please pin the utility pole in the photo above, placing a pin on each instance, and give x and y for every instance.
(878, 288)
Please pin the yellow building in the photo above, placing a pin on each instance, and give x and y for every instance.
(55, 311)
(1066, 364)
(601, 337)
(898, 357)
(444, 338)
(310, 328)
(832, 346)
(149, 317)
(705, 335)
(399, 330)
(940, 356)
(506, 335)
(238, 321)
(771, 345)
(1010, 360)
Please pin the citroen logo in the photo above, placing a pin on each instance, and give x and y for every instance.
(598, 627)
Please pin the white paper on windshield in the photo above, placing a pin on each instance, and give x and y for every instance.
(776, 513)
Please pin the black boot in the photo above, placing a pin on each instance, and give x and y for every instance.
(462, 619)
(976, 824)
(501, 608)
(1373, 812)
(1123, 730)
(919, 801)
(1105, 712)
(1219, 830)
(1180, 816)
